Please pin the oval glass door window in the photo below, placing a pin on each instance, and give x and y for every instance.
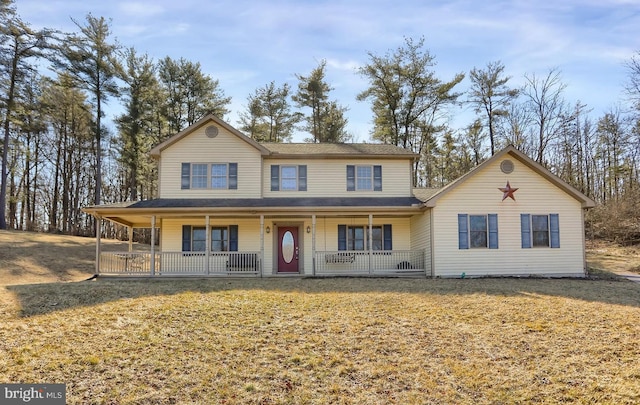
(287, 247)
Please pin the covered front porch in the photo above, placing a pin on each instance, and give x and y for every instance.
(214, 242)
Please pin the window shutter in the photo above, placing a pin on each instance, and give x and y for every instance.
(275, 177)
(386, 236)
(342, 237)
(554, 225)
(377, 178)
(351, 178)
(186, 238)
(525, 229)
(302, 178)
(186, 176)
(233, 238)
(233, 176)
(463, 231)
(493, 231)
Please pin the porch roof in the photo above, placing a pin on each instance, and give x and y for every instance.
(138, 213)
(325, 202)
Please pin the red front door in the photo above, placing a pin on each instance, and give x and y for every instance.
(288, 250)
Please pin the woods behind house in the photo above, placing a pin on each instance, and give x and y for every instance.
(59, 153)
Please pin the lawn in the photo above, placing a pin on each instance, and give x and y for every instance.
(316, 341)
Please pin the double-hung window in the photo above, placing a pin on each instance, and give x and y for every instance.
(288, 177)
(357, 237)
(477, 231)
(198, 239)
(364, 178)
(540, 230)
(199, 177)
(219, 176)
(219, 239)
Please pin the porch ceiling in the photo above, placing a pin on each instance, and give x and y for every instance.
(139, 214)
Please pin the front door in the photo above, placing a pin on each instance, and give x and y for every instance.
(288, 249)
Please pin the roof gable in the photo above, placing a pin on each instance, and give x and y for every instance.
(199, 124)
(511, 151)
(295, 150)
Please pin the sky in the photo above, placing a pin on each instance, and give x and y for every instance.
(246, 44)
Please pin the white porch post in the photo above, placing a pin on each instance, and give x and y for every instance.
(313, 244)
(153, 245)
(98, 247)
(370, 240)
(207, 248)
(130, 231)
(261, 244)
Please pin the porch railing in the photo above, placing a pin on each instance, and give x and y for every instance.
(386, 262)
(181, 263)
(327, 263)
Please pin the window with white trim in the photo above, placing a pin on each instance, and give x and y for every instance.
(199, 178)
(477, 231)
(357, 237)
(364, 178)
(540, 230)
(288, 177)
(222, 238)
(218, 176)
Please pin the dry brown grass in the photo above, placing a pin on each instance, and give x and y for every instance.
(327, 341)
(613, 258)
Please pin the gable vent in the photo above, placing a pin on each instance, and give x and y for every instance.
(506, 166)
(211, 131)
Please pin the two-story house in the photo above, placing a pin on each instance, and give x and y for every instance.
(231, 206)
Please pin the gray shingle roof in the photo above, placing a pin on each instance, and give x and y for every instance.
(336, 149)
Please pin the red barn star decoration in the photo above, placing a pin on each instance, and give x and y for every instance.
(508, 191)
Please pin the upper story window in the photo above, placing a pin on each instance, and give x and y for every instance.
(220, 176)
(477, 231)
(540, 230)
(288, 178)
(199, 178)
(364, 178)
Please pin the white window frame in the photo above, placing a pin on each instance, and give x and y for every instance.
(368, 178)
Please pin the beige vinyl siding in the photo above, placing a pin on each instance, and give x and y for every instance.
(248, 231)
(198, 148)
(327, 231)
(480, 195)
(328, 177)
(421, 236)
